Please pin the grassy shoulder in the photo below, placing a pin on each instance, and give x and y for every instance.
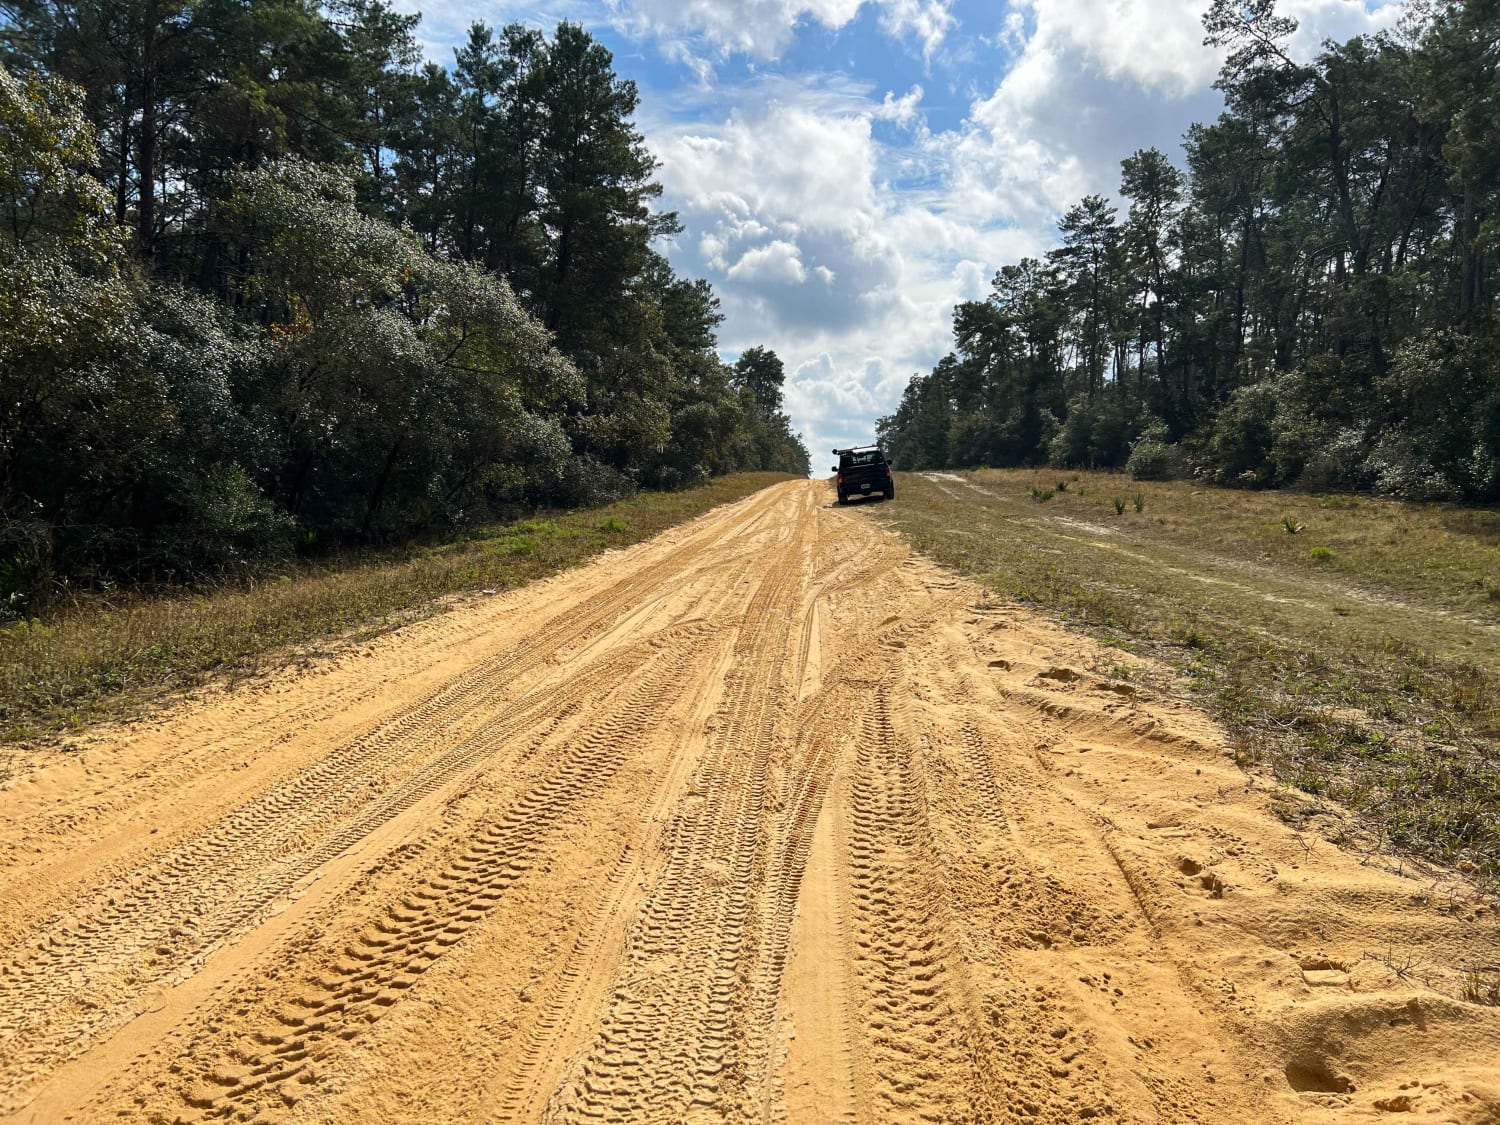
(103, 659)
(1352, 645)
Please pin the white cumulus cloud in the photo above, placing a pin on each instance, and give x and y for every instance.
(778, 262)
(815, 254)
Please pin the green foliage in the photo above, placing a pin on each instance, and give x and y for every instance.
(1041, 495)
(1445, 402)
(759, 371)
(45, 141)
(1098, 434)
(1321, 554)
(1138, 501)
(1119, 505)
(314, 293)
(1291, 526)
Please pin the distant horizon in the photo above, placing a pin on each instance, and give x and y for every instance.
(847, 172)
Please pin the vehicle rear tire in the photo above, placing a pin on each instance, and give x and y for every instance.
(843, 499)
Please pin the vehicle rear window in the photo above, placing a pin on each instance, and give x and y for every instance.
(869, 457)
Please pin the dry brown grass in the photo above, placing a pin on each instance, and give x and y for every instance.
(1440, 554)
(103, 658)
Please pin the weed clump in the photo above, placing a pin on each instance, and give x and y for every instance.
(1481, 989)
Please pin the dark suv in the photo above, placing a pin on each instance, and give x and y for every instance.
(863, 471)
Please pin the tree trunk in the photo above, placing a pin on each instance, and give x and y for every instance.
(1471, 272)
(564, 260)
(1344, 200)
(146, 211)
(122, 185)
(378, 496)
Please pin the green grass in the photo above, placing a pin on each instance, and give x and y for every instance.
(104, 658)
(1365, 670)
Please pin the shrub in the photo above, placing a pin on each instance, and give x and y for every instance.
(1070, 445)
(1291, 526)
(1442, 387)
(1321, 554)
(1119, 505)
(517, 545)
(1155, 460)
(1268, 432)
(973, 439)
(1338, 462)
(1041, 495)
(1402, 468)
(1098, 433)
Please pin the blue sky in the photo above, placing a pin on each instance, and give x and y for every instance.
(848, 170)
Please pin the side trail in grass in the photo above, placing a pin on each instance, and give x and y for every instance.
(1353, 645)
(102, 660)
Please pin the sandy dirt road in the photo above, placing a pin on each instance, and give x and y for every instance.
(763, 820)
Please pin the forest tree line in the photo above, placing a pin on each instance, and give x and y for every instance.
(1310, 299)
(269, 282)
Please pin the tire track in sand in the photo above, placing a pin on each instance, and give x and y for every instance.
(918, 1068)
(673, 1053)
(396, 950)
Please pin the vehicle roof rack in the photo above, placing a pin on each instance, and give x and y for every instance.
(855, 449)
